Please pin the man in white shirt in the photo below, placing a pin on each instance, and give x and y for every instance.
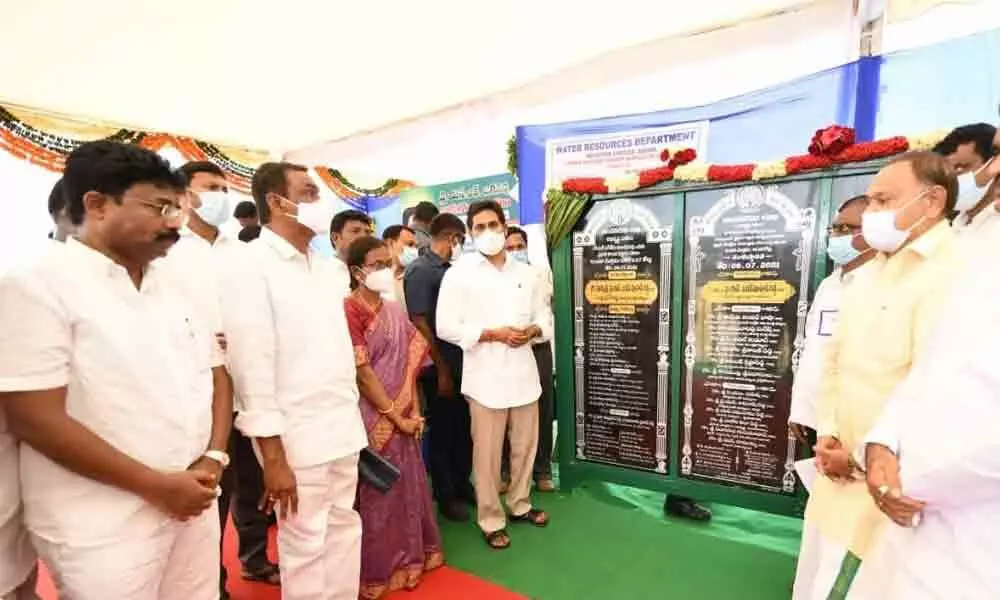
(197, 260)
(403, 249)
(492, 307)
(970, 149)
(106, 376)
(848, 250)
(292, 362)
(345, 227)
(933, 458)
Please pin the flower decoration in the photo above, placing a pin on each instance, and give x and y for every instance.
(769, 170)
(831, 140)
(695, 171)
(665, 155)
(623, 183)
(927, 141)
(683, 157)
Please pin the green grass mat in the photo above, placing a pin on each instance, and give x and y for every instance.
(612, 542)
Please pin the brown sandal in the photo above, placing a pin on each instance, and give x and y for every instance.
(497, 540)
(536, 517)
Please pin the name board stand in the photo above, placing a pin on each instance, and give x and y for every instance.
(680, 311)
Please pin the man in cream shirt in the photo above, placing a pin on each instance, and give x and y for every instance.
(493, 307)
(292, 362)
(849, 252)
(106, 376)
(884, 321)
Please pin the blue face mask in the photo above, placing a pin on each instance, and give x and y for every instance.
(841, 249)
(519, 255)
(408, 255)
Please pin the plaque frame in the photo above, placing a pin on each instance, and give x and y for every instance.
(567, 277)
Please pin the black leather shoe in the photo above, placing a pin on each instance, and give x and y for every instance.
(454, 511)
(686, 508)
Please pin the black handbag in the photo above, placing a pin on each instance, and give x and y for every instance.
(376, 471)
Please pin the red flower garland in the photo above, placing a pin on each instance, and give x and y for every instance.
(831, 146)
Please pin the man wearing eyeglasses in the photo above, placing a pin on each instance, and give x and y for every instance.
(848, 251)
(106, 377)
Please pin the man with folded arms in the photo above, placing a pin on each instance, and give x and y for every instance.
(106, 376)
(292, 362)
(492, 307)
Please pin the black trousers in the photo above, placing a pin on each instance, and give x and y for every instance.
(242, 488)
(449, 437)
(546, 414)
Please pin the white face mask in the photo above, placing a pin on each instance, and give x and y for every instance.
(520, 255)
(381, 281)
(315, 215)
(969, 194)
(214, 208)
(880, 231)
(407, 255)
(489, 243)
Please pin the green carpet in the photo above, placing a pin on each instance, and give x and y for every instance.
(612, 542)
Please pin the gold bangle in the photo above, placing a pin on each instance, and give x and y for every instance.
(391, 408)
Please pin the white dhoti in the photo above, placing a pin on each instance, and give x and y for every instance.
(319, 548)
(820, 562)
(178, 561)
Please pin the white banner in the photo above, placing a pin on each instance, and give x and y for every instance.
(604, 154)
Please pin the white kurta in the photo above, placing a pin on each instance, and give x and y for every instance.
(820, 323)
(475, 296)
(137, 368)
(942, 423)
(292, 361)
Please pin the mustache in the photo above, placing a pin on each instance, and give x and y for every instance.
(169, 235)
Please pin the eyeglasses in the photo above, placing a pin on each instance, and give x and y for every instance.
(167, 211)
(383, 264)
(842, 229)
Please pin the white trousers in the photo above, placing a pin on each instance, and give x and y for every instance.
(25, 591)
(819, 565)
(319, 548)
(178, 561)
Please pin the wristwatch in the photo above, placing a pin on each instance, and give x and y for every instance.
(218, 456)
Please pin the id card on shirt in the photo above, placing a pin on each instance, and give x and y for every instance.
(827, 322)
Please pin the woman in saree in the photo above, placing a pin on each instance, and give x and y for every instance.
(400, 538)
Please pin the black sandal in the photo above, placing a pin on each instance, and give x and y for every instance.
(535, 517)
(269, 574)
(495, 539)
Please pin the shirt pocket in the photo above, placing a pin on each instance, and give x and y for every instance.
(893, 335)
(520, 298)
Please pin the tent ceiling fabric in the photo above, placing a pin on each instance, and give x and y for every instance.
(279, 76)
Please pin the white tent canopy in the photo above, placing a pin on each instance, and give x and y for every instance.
(280, 76)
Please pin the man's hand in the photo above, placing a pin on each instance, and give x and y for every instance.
(445, 384)
(832, 458)
(185, 494)
(799, 432)
(280, 490)
(207, 465)
(887, 490)
(524, 336)
(504, 335)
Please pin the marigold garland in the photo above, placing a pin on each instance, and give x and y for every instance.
(834, 145)
(831, 146)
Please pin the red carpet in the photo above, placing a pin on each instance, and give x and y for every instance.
(442, 584)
